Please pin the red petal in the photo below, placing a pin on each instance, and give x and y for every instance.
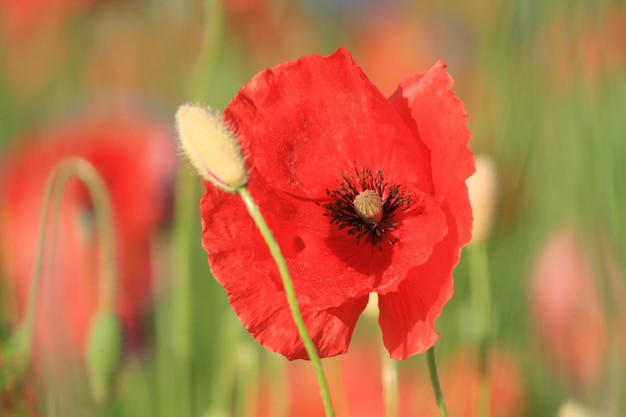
(256, 293)
(304, 123)
(438, 119)
(327, 266)
(295, 121)
(407, 316)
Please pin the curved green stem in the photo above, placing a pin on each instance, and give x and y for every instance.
(434, 378)
(63, 172)
(253, 209)
(82, 169)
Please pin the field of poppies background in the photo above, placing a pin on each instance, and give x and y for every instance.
(544, 84)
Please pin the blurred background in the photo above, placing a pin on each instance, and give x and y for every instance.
(544, 84)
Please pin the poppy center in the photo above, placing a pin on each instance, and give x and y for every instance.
(366, 206)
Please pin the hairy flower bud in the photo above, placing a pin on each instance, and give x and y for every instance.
(482, 188)
(211, 147)
(104, 353)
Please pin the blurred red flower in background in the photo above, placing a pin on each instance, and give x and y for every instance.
(135, 157)
(22, 16)
(566, 310)
(461, 380)
(357, 387)
(397, 38)
(364, 194)
(578, 46)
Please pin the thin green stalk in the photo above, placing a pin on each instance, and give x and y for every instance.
(85, 171)
(185, 207)
(212, 43)
(160, 257)
(481, 306)
(28, 323)
(390, 383)
(180, 331)
(247, 375)
(225, 370)
(291, 296)
(434, 378)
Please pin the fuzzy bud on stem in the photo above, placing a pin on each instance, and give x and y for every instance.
(211, 147)
(482, 188)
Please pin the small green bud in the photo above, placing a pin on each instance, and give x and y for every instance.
(104, 354)
(18, 352)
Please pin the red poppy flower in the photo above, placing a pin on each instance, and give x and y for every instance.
(318, 135)
(135, 157)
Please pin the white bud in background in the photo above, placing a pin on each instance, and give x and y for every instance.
(482, 187)
(573, 409)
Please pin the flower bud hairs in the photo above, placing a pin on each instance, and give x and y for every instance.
(211, 147)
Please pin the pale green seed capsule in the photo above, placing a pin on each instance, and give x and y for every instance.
(104, 354)
(368, 205)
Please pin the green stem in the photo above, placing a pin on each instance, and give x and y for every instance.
(481, 307)
(64, 171)
(390, 383)
(247, 374)
(184, 213)
(434, 378)
(212, 44)
(180, 332)
(29, 320)
(85, 171)
(225, 370)
(291, 296)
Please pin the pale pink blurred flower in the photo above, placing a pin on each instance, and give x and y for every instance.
(566, 311)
